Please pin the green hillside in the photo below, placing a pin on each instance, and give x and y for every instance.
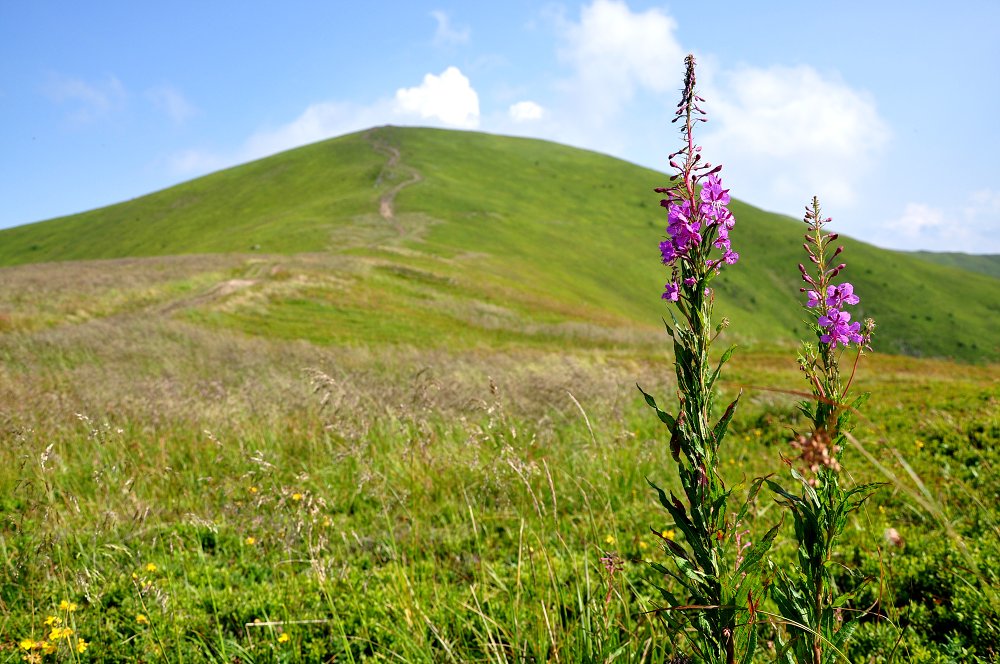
(983, 263)
(486, 240)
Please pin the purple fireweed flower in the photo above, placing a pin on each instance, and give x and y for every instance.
(714, 198)
(837, 296)
(698, 221)
(839, 329)
(722, 241)
(682, 228)
(812, 298)
(668, 252)
(690, 281)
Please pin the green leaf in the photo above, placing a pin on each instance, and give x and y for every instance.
(676, 436)
(718, 369)
(860, 401)
(676, 549)
(751, 646)
(810, 491)
(844, 633)
(720, 428)
(751, 497)
(666, 418)
(784, 651)
(777, 488)
(757, 551)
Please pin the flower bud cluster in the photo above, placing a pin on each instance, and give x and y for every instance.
(836, 328)
(697, 221)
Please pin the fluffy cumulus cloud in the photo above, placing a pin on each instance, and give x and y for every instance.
(448, 98)
(525, 111)
(614, 51)
(971, 226)
(788, 133)
(445, 100)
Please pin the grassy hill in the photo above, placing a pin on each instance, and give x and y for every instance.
(483, 240)
(983, 263)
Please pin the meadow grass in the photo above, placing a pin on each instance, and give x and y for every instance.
(202, 494)
(418, 441)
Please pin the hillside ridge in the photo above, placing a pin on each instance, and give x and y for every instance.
(490, 236)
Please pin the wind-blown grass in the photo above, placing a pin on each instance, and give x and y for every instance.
(408, 503)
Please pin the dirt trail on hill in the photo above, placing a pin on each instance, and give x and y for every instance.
(387, 203)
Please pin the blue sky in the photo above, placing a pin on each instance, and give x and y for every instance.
(887, 111)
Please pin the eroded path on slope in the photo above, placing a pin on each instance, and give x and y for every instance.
(393, 168)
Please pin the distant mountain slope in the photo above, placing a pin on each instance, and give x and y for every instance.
(988, 264)
(568, 234)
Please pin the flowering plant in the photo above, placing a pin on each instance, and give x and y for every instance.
(724, 574)
(719, 570)
(808, 600)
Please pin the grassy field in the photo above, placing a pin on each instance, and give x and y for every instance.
(326, 433)
(204, 484)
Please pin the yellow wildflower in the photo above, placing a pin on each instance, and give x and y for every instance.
(61, 633)
(919, 443)
(47, 647)
(642, 545)
(150, 567)
(284, 638)
(296, 497)
(66, 605)
(135, 577)
(141, 619)
(27, 644)
(81, 646)
(250, 541)
(252, 489)
(610, 539)
(52, 621)
(668, 533)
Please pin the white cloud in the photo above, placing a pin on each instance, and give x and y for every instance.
(919, 219)
(525, 111)
(92, 100)
(447, 34)
(788, 133)
(613, 51)
(318, 122)
(172, 102)
(448, 98)
(972, 226)
(615, 60)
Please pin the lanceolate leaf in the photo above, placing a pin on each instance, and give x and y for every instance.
(751, 497)
(720, 429)
(757, 551)
(666, 418)
(718, 369)
(751, 646)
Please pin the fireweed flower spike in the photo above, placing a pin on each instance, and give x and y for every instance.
(807, 597)
(711, 559)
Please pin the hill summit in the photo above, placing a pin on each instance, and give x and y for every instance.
(453, 234)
